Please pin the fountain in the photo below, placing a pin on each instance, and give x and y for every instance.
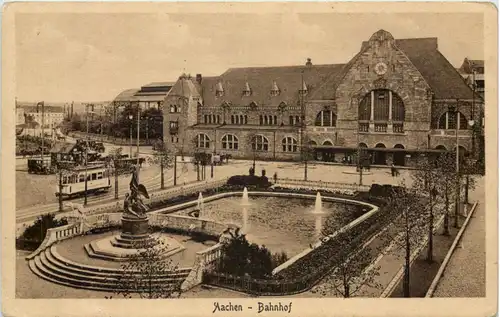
(200, 204)
(318, 205)
(245, 202)
(244, 199)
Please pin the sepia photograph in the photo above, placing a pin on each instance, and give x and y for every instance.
(250, 158)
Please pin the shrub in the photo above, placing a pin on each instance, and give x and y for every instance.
(249, 180)
(37, 231)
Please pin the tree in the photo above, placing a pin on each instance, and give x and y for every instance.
(163, 157)
(118, 168)
(145, 272)
(38, 230)
(446, 168)
(411, 224)
(352, 270)
(252, 142)
(427, 180)
(240, 257)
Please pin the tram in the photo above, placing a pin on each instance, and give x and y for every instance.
(73, 184)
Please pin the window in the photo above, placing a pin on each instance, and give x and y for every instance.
(94, 176)
(202, 141)
(218, 118)
(387, 105)
(275, 120)
(82, 178)
(289, 144)
(326, 118)
(229, 142)
(173, 109)
(174, 139)
(246, 119)
(261, 120)
(260, 143)
(232, 119)
(174, 124)
(99, 175)
(448, 121)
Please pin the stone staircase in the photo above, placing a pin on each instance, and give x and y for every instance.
(51, 266)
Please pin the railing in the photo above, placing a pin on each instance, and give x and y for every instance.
(380, 127)
(54, 235)
(397, 128)
(363, 127)
(321, 184)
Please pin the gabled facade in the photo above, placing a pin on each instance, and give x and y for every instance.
(393, 94)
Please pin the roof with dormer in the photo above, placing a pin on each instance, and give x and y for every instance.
(288, 80)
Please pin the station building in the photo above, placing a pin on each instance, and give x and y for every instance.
(396, 98)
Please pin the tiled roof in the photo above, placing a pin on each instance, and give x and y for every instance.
(185, 87)
(445, 81)
(442, 77)
(62, 147)
(261, 81)
(126, 95)
(160, 84)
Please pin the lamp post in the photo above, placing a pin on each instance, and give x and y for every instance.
(454, 110)
(130, 117)
(138, 138)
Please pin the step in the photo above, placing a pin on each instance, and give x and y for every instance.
(82, 281)
(48, 277)
(63, 266)
(68, 262)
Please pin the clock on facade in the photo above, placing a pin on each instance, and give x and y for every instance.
(380, 68)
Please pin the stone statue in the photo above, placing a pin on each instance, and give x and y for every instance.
(133, 204)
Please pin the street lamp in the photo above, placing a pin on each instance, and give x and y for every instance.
(454, 110)
(130, 117)
(87, 150)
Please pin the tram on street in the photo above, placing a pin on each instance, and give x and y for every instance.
(73, 182)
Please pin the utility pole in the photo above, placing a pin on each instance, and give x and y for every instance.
(359, 159)
(86, 153)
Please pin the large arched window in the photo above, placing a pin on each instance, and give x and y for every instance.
(448, 121)
(289, 144)
(229, 142)
(381, 106)
(326, 118)
(202, 141)
(260, 143)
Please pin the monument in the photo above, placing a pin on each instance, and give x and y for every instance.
(135, 234)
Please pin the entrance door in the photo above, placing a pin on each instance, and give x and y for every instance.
(399, 156)
(380, 156)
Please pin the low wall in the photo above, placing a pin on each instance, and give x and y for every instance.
(203, 259)
(55, 235)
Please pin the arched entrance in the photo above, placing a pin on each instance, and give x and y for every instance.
(399, 156)
(380, 156)
(328, 155)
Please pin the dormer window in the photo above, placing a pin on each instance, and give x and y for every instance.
(247, 91)
(275, 91)
(219, 90)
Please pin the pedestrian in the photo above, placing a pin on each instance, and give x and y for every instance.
(393, 170)
(275, 176)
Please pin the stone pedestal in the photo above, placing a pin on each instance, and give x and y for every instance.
(135, 226)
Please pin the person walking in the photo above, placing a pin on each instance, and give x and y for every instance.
(393, 170)
(275, 177)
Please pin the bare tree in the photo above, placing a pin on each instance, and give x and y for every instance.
(354, 257)
(118, 169)
(445, 167)
(427, 180)
(144, 274)
(411, 225)
(162, 157)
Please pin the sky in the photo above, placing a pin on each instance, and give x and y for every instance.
(65, 57)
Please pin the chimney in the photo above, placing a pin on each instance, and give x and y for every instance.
(308, 63)
(199, 78)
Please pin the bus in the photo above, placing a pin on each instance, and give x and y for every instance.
(73, 184)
